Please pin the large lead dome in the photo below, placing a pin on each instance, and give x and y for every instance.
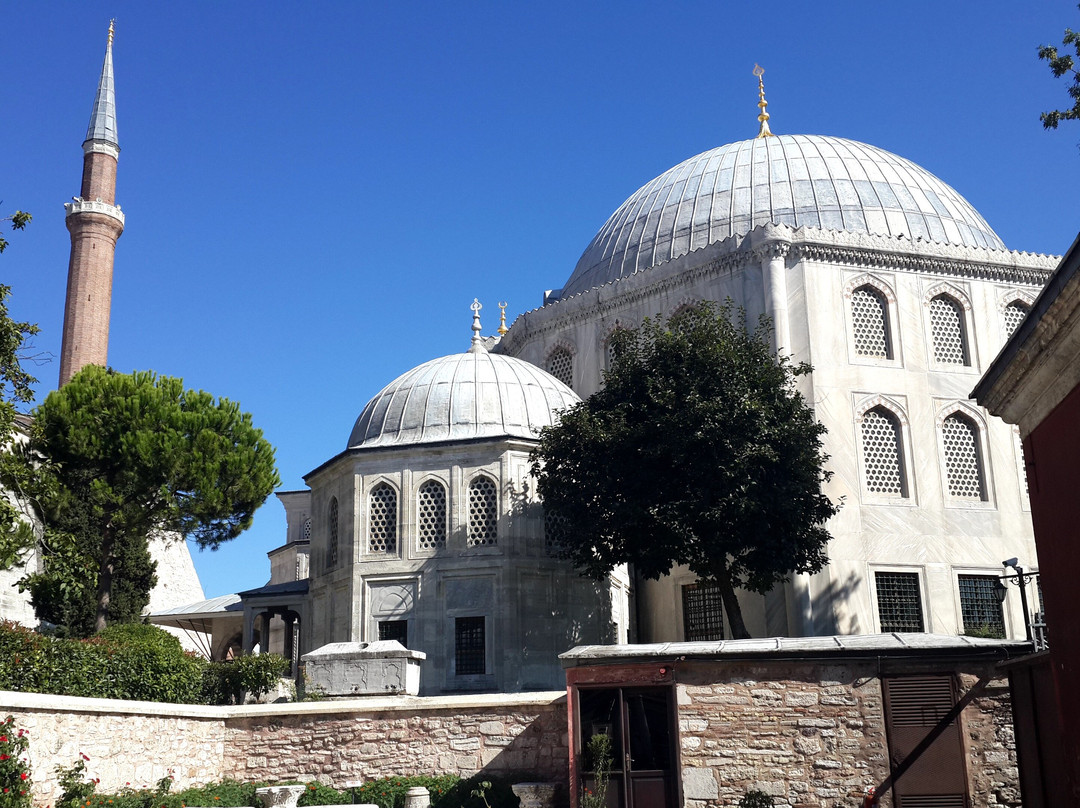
(462, 396)
(797, 180)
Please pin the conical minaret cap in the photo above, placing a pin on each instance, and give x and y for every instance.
(102, 127)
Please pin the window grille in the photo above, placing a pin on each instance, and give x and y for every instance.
(703, 615)
(382, 519)
(483, 512)
(870, 321)
(431, 516)
(963, 466)
(554, 532)
(332, 543)
(560, 364)
(980, 608)
(470, 653)
(1015, 313)
(947, 331)
(609, 353)
(305, 531)
(394, 630)
(883, 454)
(899, 601)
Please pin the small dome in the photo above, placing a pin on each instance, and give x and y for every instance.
(797, 180)
(463, 396)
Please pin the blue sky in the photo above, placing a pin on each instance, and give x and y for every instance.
(315, 192)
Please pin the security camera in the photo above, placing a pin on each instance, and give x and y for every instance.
(1012, 562)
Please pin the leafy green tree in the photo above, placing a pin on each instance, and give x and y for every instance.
(135, 455)
(1060, 65)
(698, 451)
(16, 387)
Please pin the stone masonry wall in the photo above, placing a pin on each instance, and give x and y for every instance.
(137, 743)
(814, 735)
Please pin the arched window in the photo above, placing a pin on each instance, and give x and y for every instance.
(948, 332)
(870, 323)
(560, 364)
(382, 519)
(883, 453)
(431, 516)
(1014, 314)
(483, 512)
(305, 530)
(963, 458)
(332, 541)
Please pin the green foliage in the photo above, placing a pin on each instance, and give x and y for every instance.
(447, 791)
(1060, 65)
(130, 455)
(75, 786)
(598, 760)
(137, 662)
(698, 451)
(15, 779)
(987, 631)
(248, 675)
(756, 799)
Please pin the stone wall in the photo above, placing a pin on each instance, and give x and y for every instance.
(814, 735)
(339, 742)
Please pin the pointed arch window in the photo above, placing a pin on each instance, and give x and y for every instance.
(1014, 314)
(332, 540)
(963, 458)
(883, 453)
(382, 519)
(483, 512)
(948, 331)
(431, 516)
(870, 323)
(560, 364)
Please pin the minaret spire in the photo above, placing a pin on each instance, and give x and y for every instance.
(763, 116)
(95, 222)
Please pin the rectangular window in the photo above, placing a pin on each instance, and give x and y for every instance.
(980, 608)
(703, 616)
(899, 601)
(394, 630)
(470, 652)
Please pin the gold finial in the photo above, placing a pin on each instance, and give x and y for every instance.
(502, 319)
(112, 23)
(763, 117)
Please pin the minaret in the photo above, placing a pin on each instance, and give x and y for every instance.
(95, 222)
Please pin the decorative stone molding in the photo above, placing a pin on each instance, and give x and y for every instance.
(866, 279)
(865, 405)
(535, 795)
(1015, 296)
(80, 205)
(951, 290)
(101, 147)
(963, 408)
(280, 796)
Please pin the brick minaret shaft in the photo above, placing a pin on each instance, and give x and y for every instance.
(95, 222)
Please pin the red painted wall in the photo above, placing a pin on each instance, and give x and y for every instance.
(1052, 455)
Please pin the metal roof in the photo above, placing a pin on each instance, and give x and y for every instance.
(102, 126)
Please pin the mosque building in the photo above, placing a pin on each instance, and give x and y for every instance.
(427, 528)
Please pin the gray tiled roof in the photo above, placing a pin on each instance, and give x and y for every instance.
(462, 396)
(797, 180)
(103, 115)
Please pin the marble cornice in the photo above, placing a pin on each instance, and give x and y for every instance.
(857, 250)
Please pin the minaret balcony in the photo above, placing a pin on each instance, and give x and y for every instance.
(79, 205)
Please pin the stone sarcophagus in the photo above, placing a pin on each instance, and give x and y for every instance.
(345, 669)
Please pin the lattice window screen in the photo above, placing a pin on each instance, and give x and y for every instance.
(870, 321)
(963, 466)
(979, 606)
(305, 531)
(431, 516)
(899, 601)
(609, 354)
(332, 544)
(483, 512)
(883, 454)
(947, 330)
(554, 532)
(1015, 312)
(703, 614)
(560, 364)
(382, 519)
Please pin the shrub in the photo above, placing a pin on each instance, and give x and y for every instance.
(14, 769)
(756, 799)
(318, 794)
(251, 674)
(75, 787)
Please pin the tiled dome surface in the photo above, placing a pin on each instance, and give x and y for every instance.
(462, 396)
(797, 180)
